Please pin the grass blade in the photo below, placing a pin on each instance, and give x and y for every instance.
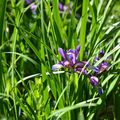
(2, 16)
(83, 27)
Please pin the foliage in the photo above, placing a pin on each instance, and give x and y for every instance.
(29, 40)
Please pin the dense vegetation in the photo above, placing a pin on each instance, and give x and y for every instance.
(59, 60)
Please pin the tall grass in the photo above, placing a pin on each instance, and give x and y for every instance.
(29, 42)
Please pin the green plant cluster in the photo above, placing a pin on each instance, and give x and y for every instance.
(29, 42)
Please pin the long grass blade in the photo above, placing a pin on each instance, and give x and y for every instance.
(83, 28)
(2, 29)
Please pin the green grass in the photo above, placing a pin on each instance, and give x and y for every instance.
(29, 47)
(2, 18)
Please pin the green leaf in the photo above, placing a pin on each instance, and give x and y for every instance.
(2, 19)
(112, 85)
(72, 107)
(83, 27)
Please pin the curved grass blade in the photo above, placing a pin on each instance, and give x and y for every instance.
(72, 107)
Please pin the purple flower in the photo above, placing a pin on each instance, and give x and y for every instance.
(70, 61)
(70, 57)
(94, 80)
(33, 8)
(56, 67)
(96, 59)
(95, 83)
(103, 66)
(61, 6)
(80, 67)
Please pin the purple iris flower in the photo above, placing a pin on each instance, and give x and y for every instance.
(94, 80)
(61, 7)
(69, 58)
(70, 61)
(103, 66)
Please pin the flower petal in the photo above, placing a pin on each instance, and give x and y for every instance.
(95, 69)
(79, 64)
(81, 70)
(67, 64)
(71, 51)
(94, 80)
(61, 6)
(104, 66)
(56, 67)
(100, 90)
(96, 59)
(82, 64)
(71, 57)
(62, 53)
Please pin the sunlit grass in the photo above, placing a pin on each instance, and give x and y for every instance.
(29, 42)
